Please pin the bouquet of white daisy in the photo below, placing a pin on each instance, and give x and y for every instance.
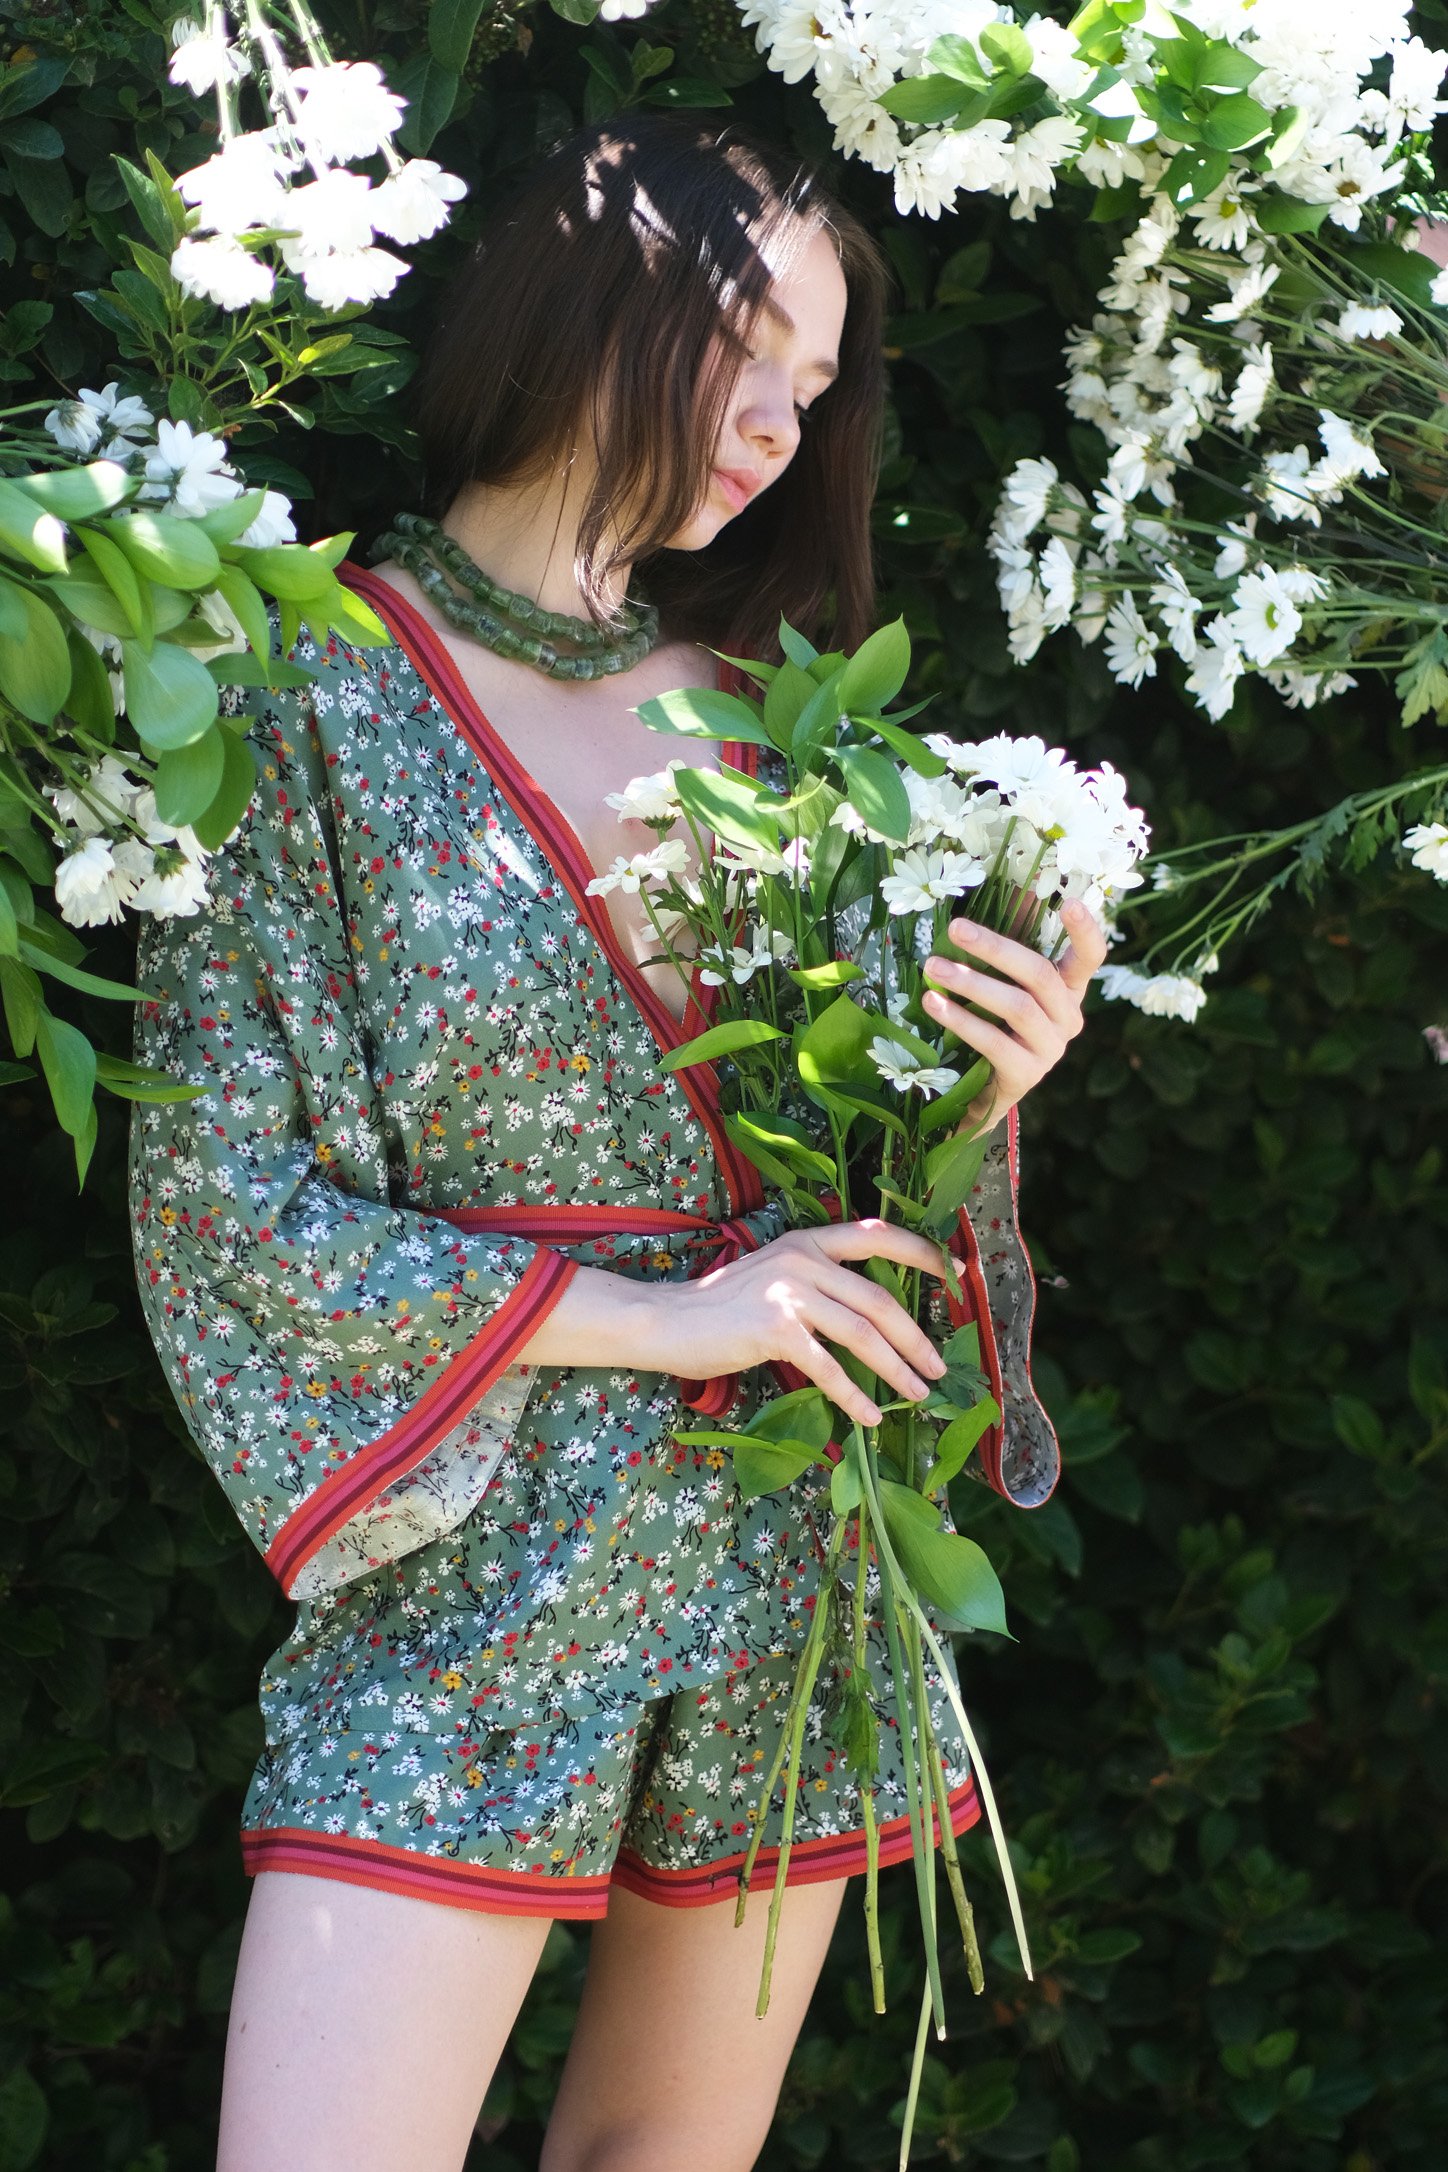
(838, 867)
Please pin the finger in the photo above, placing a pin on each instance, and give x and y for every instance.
(1017, 960)
(872, 1237)
(1033, 1018)
(842, 1324)
(888, 1315)
(1002, 1049)
(1086, 951)
(825, 1370)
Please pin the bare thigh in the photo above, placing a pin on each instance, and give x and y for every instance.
(670, 2067)
(365, 2027)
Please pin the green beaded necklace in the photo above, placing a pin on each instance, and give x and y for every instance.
(507, 623)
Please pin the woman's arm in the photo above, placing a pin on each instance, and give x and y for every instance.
(784, 1301)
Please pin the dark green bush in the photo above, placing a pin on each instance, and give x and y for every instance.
(1218, 1736)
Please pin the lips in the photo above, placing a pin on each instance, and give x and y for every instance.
(737, 484)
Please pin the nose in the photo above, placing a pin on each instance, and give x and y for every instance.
(767, 419)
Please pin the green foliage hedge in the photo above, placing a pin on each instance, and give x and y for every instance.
(1217, 1736)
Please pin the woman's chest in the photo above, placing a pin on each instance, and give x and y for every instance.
(508, 1044)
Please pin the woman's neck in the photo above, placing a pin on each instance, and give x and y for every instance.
(526, 540)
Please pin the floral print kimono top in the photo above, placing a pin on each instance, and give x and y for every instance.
(432, 1094)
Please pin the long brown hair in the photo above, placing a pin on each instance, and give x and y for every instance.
(589, 305)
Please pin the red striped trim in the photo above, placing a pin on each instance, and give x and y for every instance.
(388, 1869)
(979, 1310)
(567, 1223)
(838, 1855)
(562, 847)
(441, 1406)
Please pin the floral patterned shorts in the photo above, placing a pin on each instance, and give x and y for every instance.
(659, 1802)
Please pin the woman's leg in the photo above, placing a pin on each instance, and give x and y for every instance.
(670, 2069)
(365, 2027)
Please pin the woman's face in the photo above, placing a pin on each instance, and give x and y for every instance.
(792, 357)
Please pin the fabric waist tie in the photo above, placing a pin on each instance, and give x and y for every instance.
(717, 1242)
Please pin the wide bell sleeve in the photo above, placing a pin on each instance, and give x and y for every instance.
(346, 1364)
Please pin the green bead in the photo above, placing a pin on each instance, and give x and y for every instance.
(511, 625)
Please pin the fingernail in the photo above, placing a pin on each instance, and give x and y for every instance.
(934, 1002)
(875, 1416)
(937, 1363)
(964, 927)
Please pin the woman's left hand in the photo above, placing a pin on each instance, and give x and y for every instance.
(1040, 1004)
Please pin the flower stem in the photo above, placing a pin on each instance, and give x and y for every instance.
(866, 1780)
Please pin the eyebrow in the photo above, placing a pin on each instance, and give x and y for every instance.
(829, 370)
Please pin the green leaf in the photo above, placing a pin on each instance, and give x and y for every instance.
(803, 1417)
(23, 996)
(1235, 121)
(151, 205)
(1407, 271)
(846, 1491)
(75, 976)
(69, 1064)
(29, 532)
(1224, 67)
(686, 92)
(77, 493)
(238, 782)
(796, 648)
(817, 719)
(1008, 46)
(289, 570)
(959, 1439)
(702, 712)
(954, 55)
(786, 1139)
(735, 807)
(910, 749)
(876, 672)
(951, 1575)
(119, 576)
(950, 1107)
(1423, 684)
(24, 2112)
(450, 28)
(835, 1049)
(836, 974)
(245, 599)
(35, 668)
(188, 778)
(789, 690)
(171, 697)
(1291, 126)
(930, 99)
(89, 701)
(28, 83)
(770, 1466)
(224, 523)
(876, 791)
(723, 1040)
(177, 553)
(431, 90)
(951, 1168)
(1279, 214)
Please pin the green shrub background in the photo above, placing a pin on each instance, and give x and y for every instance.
(1218, 1736)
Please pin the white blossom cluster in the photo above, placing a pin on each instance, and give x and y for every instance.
(1314, 56)
(184, 471)
(107, 866)
(288, 186)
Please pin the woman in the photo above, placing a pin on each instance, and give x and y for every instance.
(424, 1261)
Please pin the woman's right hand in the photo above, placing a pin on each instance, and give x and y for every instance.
(787, 1300)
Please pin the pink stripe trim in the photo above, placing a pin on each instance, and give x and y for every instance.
(388, 1869)
(435, 1413)
(979, 1311)
(842, 1855)
(592, 1218)
(564, 850)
